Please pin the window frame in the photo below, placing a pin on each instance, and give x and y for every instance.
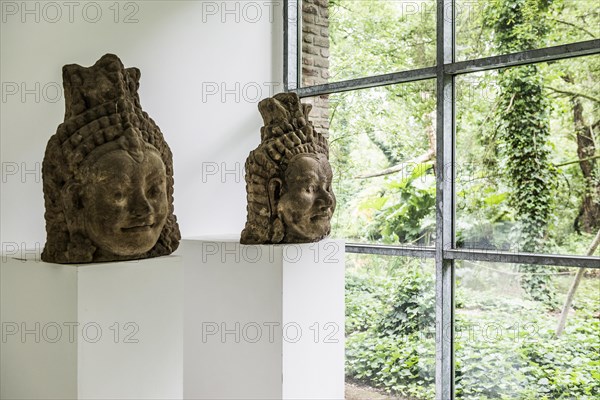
(444, 72)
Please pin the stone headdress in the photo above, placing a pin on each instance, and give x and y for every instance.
(287, 133)
(102, 112)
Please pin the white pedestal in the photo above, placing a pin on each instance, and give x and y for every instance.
(111, 330)
(131, 344)
(217, 321)
(263, 322)
(38, 302)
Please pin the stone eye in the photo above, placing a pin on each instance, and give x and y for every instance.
(154, 191)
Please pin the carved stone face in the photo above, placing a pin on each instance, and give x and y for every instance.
(125, 202)
(307, 202)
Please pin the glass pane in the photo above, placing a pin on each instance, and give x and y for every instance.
(528, 167)
(506, 343)
(390, 327)
(346, 39)
(382, 152)
(485, 28)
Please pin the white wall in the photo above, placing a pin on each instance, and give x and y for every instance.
(186, 51)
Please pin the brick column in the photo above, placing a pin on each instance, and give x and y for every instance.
(315, 57)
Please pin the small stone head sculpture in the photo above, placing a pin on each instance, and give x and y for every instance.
(288, 177)
(107, 172)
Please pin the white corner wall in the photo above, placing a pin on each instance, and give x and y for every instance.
(204, 64)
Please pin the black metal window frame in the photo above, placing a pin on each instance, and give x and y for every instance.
(444, 72)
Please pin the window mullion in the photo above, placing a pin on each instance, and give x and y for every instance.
(291, 48)
(547, 54)
(444, 203)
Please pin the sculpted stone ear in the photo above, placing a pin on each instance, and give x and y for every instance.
(275, 189)
(73, 205)
(274, 193)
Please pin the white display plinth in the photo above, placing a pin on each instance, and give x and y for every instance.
(263, 322)
(112, 330)
(216, 321)
(137, 306)
(38, 304)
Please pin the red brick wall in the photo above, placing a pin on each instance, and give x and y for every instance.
(315, 57)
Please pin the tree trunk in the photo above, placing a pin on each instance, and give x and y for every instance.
(588, 219)
(423, 158)
(569, 300)
(387, 151)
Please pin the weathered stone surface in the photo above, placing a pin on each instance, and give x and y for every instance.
(107, 172)
(288, 177)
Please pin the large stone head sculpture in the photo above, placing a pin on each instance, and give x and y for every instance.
(107, 172)
(288, 177)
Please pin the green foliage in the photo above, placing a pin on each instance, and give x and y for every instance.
(413, 305)
(519, 24)
(405, 211)
(505, 343)
(513, 133)
(375, 129)
(371, 130)
(365, 298)
(524, 128)
(365, 35)
(392, 347)
(574, 373)
(511, 358)
(405, 365)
